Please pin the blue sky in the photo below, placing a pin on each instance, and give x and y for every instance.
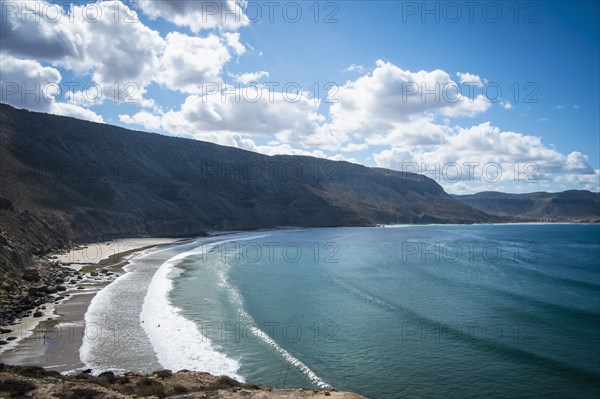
(416, 85)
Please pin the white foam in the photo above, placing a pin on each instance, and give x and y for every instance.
(70, 324)
(236, 299)
(177, 341)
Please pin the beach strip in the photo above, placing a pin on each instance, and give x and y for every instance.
(53, 341)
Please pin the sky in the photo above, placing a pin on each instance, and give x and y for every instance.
(480, 96)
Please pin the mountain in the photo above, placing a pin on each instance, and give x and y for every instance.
(566, 206)
(65, 180)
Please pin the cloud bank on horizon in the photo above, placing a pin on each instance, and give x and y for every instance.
(217, 71)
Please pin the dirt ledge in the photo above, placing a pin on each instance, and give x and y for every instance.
(36, 382)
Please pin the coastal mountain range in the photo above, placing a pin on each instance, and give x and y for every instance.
(64, 181)
(87, 181)
(574, 206)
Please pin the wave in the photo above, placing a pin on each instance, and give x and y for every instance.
(98, 322)
(177, 342)
(564, 309)
(236, 299)
(500, 349)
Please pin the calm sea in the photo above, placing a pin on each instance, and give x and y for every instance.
(404, 311)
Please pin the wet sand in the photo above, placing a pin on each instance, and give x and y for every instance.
(53, 341)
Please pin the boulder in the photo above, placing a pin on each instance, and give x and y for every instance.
(36, 291)
(31, 275)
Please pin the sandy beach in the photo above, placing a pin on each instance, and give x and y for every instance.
(107, 251)
(53, 341)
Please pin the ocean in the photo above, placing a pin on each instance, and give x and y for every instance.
(400, 311)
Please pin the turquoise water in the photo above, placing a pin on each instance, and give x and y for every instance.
(453, 311)
(415, 311)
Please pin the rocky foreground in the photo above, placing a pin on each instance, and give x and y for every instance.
(45, 282)
(41, 283)
(36, 382)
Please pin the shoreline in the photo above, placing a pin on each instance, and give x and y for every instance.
(488, 224)
(110, 257)
(53, 341)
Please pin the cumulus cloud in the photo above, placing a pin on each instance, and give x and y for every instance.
(33, 29)
(95, 39)
(235, 110)
(107, 41)
(486, 156)
(249, 77)
(415, 131)
(585, 181)
(356, 68)
(189, 62)
(233, 40)
(115, 51)
(75, 111)
(146, 119)
(276, 148)
(469, 79)
(198, 14)
(577, 162)
(389, 97)
(29, 84)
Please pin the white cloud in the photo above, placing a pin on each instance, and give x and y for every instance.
(143, 118)
(356, 68)
(25, 75)
(417, 130)
(354, 147)
(505, 104)
(242, 111)
(190, 62)
(28, 84)
(114, 51)
(277, 148)
(198, 14)
(233, 40)
(26, 31)
(578, 163)
(74, 111)
(586, 182)
(88, 39)
(249, 77)
(389, 97)
(120, 53)
(469, 79)
(481, 152)
(558, 107)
